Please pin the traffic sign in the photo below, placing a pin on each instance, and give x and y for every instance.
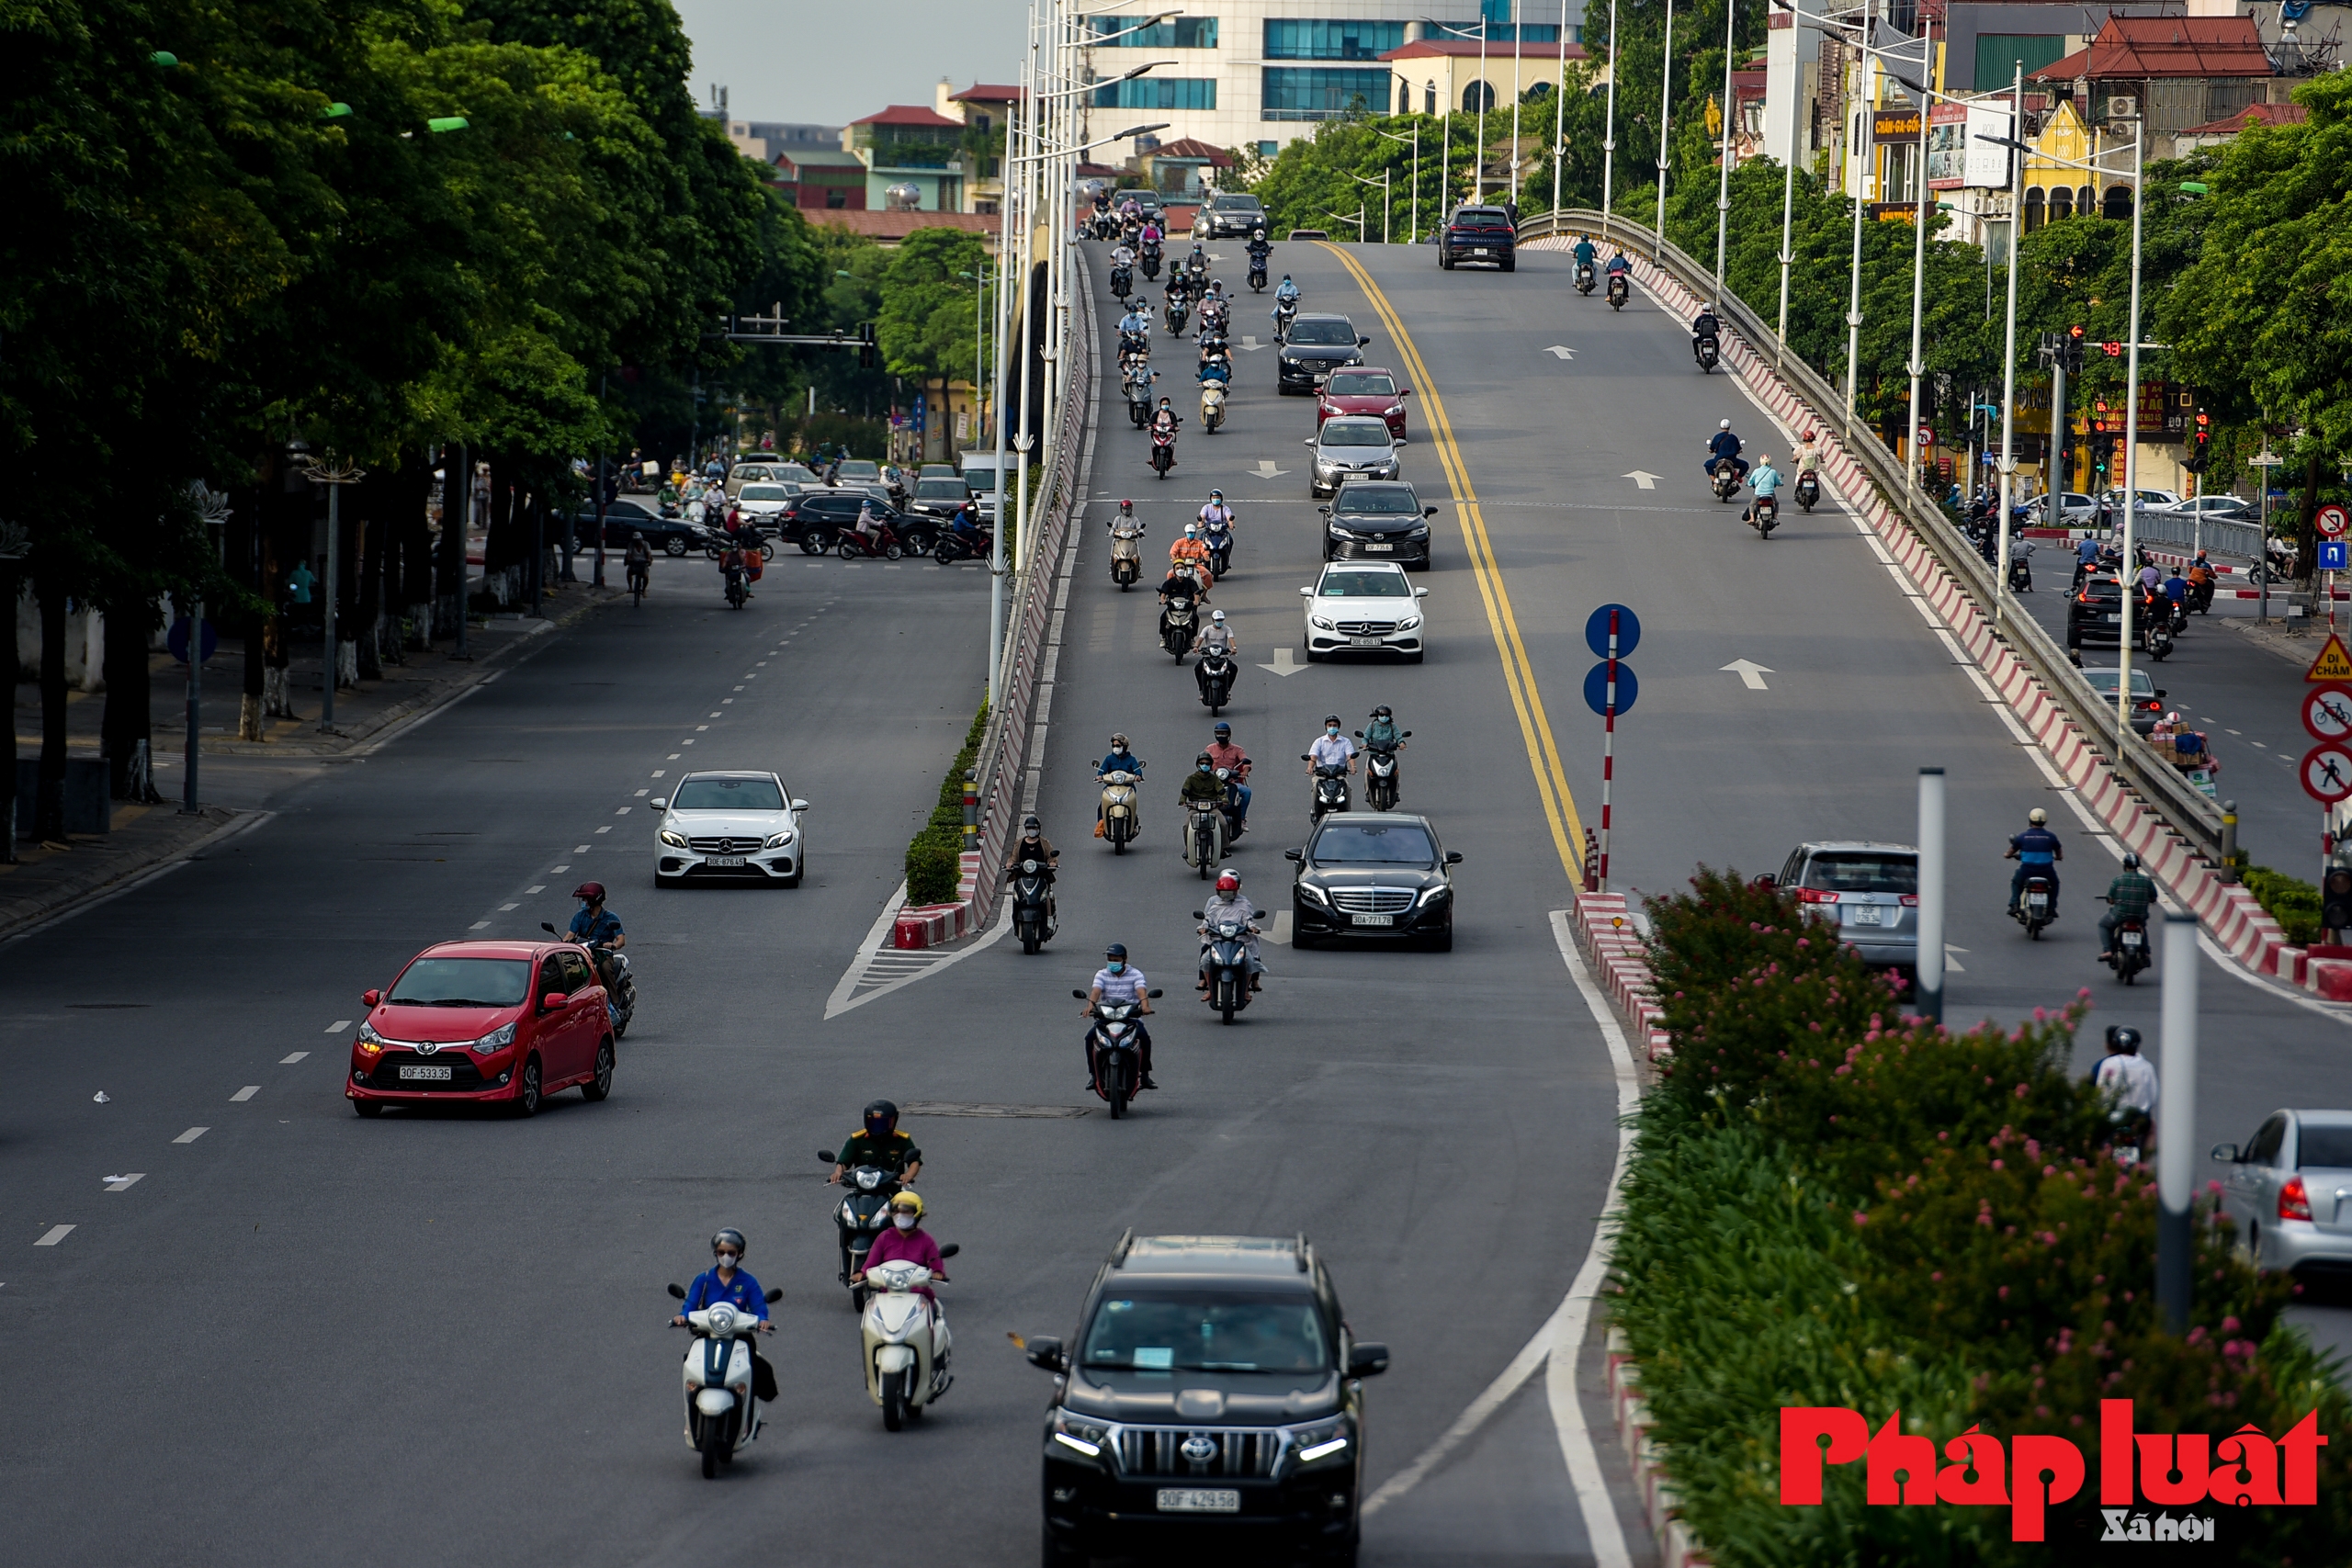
(1596, 691)
(2327, 713)
(2334, 663)
(176, 641)
(2331, 521)
(1596, 631)
(2330, 555)
(2327, 773)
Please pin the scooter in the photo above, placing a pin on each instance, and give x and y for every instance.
(2160, 636)
(1117, 1052)
(1204, 836)
(1727, 481)
(2020, 573)
(1211, 404)
(1584, 277)
(1119, 820)
(1121, 282)
(1148, 254)
(1032, 918)
(907, 1347)
(1330, 787)
(955, 546)
(1215, 673)
(1226, 959)
(1379, 774)
(1765, 515)
(1619, 290)
(1176, 627)
(883, 546)
(613, 973)
(1217, 534)
(1707, 350)
(2033, 908)
(2128, 1143)
(1126, 554)
(860, 1218)
(1285, 313)
(1257, 281)
(1163, 452)
(1175, 315)
(739, 587)
(723, 1382)
(1138, 389)
(2131, 954)
(1808, 490)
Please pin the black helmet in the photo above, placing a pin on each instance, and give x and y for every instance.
(2123, 1037)
(881, 1119)
(1382, 712)
(1116, 949)
(1031, 824)
(1330, 718)
(733, 1237)
(1202, 762)
(2130, 862)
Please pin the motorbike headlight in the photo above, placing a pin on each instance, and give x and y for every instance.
(1078, 1434)
(1319, 623)
(1323, 1440)
(1410, 623)
(673, 838)
(496, 1040)
(849, 1214)
(868, 1180)
(777, 840)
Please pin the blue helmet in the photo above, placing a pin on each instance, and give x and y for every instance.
(1116, 949)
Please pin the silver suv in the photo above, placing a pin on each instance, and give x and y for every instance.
(1869, 891)
(2289, 1190)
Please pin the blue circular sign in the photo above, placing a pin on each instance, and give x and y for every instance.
(1596, 631)
(176, 641)
(1596, 688)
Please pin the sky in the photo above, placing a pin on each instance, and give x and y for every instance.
(831, 62)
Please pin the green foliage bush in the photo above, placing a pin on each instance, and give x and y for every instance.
(933, 868)
(2293, 904)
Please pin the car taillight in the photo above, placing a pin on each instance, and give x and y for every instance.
(2294, 1203)
(1910, 901)
(1815, 895)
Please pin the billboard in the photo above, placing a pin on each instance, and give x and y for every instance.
(1956, 157)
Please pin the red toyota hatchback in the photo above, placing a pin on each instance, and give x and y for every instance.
(504, 1022)
(1367, 390)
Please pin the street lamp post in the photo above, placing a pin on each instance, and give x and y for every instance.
(2010, 342)
(1723, 161)
(1924, 214)
(1413, 222)
(1560, 111)
(1665, 120)
(1608, 134)
(1382, 184)
(335, 476)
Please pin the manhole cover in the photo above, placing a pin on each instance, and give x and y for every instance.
(947, 1108)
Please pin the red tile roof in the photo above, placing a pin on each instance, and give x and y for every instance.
(2136, 48)
(1191, 147)
(986, 93)
(2249, 117)
(2065, 68)
(1425, 48)
(891, 228)
(910, 114)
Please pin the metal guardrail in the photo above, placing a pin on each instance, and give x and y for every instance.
(2181, 804)
(2243, 540)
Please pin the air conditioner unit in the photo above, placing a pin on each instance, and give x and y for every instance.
(2121, 107)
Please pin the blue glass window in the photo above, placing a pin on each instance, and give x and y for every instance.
(1146, 93)
(1332, 39)
(1184, 32)
(1290, 92)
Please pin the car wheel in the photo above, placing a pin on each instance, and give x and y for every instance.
(673, 547)
(368, 1107)
(811, 545)
(1415, 656)
(526, 1094)
(799, 870)
(1057, 1555)
(1511, 263)
(597, 1087)
(1443, 940)
(1299, 935)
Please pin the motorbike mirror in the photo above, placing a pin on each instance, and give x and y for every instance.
(1294, 854)
(775, 1294)
(1198, 916)
(1407, 736)
(678, 1291)
(1153, 992)
(1045, 1352)
(951, 1249)
(827, 1155)
(1366, 1360)
(1305, 757)
(1080, 995)
(369, 999)
(552, 1002)
(1359, 734)
(1453, 857)
(548, 928)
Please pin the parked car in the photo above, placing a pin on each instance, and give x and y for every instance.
(500, 1022)
(1363, 606)
(2222, 508)
(1378, 518)
(1211, 1400)
(794, 476)
(938, 499)
(723, 824)
(2150, 501)
(1316, 347)
(1869, 892)
(1372, 873)
(856, 473)
(1482, 234)
(2073, 510)
(671, 536)
(2289, 1189)
(1355, 446)
(1368, 390)
(1233, 214)
(2147, 697)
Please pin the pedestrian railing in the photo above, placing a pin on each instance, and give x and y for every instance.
(2243, 540)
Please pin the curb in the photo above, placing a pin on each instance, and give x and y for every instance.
(70, 902)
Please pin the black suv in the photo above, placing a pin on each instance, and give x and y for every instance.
(671, 536)
(1377, 520)
(1314, 348)
(1214, 1390)
(1479, 234)
(817, 518)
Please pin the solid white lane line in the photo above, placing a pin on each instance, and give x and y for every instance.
(122, 1183)
(290, 1061)
(191, 1134)
(55, 1234)
(244, 1094)
(338, 1026)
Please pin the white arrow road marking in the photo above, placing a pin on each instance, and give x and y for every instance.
(1249, 345)
(1642, 477)
(1286, 661)
(1280, 930)
(1557, 352)
(1952, 963)
(1751, 674)
(1266, 469)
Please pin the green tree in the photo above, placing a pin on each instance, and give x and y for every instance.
(928, 313)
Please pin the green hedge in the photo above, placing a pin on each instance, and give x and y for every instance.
(933, 868)
(1827, 1207)
(2293, 904)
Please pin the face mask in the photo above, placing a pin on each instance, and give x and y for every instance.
(904, 1222)
(1118, 966)
(1331, 729)
(728, 1260)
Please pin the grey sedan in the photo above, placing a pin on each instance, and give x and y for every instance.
(1869, 892)
(2290, 1191)
(1355, 446)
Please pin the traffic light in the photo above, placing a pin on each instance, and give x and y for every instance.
(2102, 447)
(2335, 900)
(2073, 348)
(869, 357)
(2200, 443)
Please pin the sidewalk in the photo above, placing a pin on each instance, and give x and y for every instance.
(48, 880)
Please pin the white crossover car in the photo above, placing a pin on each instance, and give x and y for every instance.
(729, 824)
(1360, 606)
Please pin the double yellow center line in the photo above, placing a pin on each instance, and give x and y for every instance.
(1519, 675)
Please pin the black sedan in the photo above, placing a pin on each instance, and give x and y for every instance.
(671, 536)
(1369, 873)
(1315, 346)
(1377, 520)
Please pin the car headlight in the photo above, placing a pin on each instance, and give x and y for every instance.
(1313, 892)
(1432, 894)
(1392, 412)
(1417, 531)
(1410, 623)
(496, 1040)
(369, 1038)
(673, 838)
(777, 840)
(1319, 623)
(1078, 1434)
(1290, 363)
(1323, 1440)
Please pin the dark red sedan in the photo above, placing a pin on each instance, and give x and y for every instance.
(1363, 390)
(504, 1022)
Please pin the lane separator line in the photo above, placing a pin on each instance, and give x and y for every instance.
(191, 1134)
(55, 1234)
(244, 1094)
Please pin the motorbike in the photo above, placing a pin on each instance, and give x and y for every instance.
(1176, 627)
(1175, 314)
(1215, 671)
(1380, 772)
(1330, 787)
(1727, 481)
(955, 546)
(613, 973)
(1707, 351)
(1808, 490)
(1117, 1053)
(1218, 537)
(1148, 257)
(1163, 451)
(1126, 554)
(1584, 277)
(1257, 279)
(739, 587)
(2131, 954)
(2160, 635)
(883, 546)
(863, 1214)
(1619, 290)
(1285, 313)
(723, 1384)
(907, 1347)
(1137, 386)
(1033, 920)
(1119, 819)
(2200, 596)
(1123, 280)
(1211, 404)
(2033, 908)
(1765, 515)
(2131, 1129)
(1226, 958)
(1204, 836)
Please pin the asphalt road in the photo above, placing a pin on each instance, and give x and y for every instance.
(342, 1320)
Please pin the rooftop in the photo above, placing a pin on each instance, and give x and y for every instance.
(1263, 1256)
(1426, 49)
(2137, 49)
(1193, 147)
(892, 228)
(986, 93)
(910, 114)
(2251, 116)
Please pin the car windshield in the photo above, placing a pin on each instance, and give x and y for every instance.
(1355, 433)
(940, 490)
(1234, 203)
(767, 492)
(1360, 385)
(1377, 500)
(2103, 681)
(1363, 585)
(1486, 219)
(1323, 334)
(1374, 843)
(1189, 1332)
(1864, 871)
(861, 470)
(463, 983)
(727, 794)
(2329, 1147)
(792, 471)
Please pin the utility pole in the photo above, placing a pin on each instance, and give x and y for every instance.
(1665, 121)
(335, 476)
(2176, 1123)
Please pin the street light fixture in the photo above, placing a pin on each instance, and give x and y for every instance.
(1478, 169)
(1413, 228)
(1382, 184)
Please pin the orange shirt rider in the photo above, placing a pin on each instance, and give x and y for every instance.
(1191, 548)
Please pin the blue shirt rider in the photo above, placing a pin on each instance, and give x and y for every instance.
(1121, 760)
(2037, 853)
(727, 1282)
(1285, 292)
(1764, 480)
(1726, 449)
(1619, 262)
(1217, 370)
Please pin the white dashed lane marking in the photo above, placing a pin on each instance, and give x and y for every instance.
(478, 925)
(535, 888)
(338, 1026)
(191, 1134)
(122, 1183)
(290, 1061)
(502, 908)
(55, 1234)
(244, 1094)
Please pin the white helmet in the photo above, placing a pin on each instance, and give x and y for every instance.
(1724, 426)
(1217, 615)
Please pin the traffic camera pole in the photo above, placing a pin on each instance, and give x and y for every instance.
(1929, 966)
(2176, 1123)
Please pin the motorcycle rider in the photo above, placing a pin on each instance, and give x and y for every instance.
(878, 1144)
(2128, 898)
(2176, 591)
(1202, 784)
(1725, 448)
(1704, 326)
(1331, 747)
(1216, 638)
(2036, 852)
(1230, 899)
(1808, 456)
(1134, 327)
(640, 561)
(1381, 734)
(1122, 258)
(725, 1281)
(1584, 253)
(1033, 844)
(1164, 419)
(1618, 263)
(907, 1242)
(1187, 580)
(1216, 510)
(598, 930)
(1192, 547)
(1236, 763)
(2129, 1078)
(1119, 981)
(1119, 760)
(735, 557)
(1764, 481)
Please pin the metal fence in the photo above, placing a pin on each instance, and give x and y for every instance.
(2243, 540)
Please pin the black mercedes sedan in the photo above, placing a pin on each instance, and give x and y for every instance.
(1372, 873)
(1315, 346)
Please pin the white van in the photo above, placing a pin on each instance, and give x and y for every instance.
(981, 481)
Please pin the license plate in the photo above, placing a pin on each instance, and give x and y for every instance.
(1380, 546)
(1481, 253)
(1199, 1500)
(2130, 939)
(1364, 642)
(1869, 915)
(726, 863)
(424, 1072)
(1374, 919)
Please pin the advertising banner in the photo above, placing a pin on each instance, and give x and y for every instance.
(1957, 156)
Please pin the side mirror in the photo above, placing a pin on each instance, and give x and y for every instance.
(2226, 1152)
(1299, 855)
(775, 1295)
(1406, 392)
(1359, 734)
(678, 1292)
(1453, 857)
(1047, 1352)
(371, 998)
(1364, 343)
(552, 1002)
(549, 928)
(1153, 992)
(1306, 756)
(1420, 592)
(950, 1250)
(1198, 916)
(660, 802)
(1768, 880)
(1080, 995)
(1367, 1361)
(1428, 511)
(799, 806)
(1405, 736)
(827, 1155)
(1307, 443)
(1324, 510)
(1306, 593)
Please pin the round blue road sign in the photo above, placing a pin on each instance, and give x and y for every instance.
(1596, 688)
(1596, 632)
(176, 641)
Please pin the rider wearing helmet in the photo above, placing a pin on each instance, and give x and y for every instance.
(880, 1144)
(1120, 981)
(1230, 899)
(906, 1242)
(1192, 547)
(2128, 898)
(1725, 448)
(2129, 1078)
(1201, 784)
(1704, 324)
(1236, 763)
(725, 1280)
(1382, 734)
(1330, 746)
(1119, 760)
(1216, 638)
(640, 559)
(598, 930)
(2037, 853)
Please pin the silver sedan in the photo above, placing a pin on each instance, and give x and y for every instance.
(1354, 446)
(2290, 1191)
